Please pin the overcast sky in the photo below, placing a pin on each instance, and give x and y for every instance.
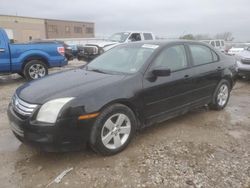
(170, 18)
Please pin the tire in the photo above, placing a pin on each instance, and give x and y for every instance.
(35, 69)
(221, 95)
(107, 137)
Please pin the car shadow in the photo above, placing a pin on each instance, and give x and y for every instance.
(11, 79)
(87, 154)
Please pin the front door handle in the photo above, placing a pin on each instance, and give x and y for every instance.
(2, 50)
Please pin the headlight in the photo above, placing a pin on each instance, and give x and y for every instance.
(49, 111)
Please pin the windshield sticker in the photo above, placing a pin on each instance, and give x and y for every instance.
(133, 70)
(152, 46)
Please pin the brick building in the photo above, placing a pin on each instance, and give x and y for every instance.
(23, 29)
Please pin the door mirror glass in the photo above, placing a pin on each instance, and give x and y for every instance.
(161, 71)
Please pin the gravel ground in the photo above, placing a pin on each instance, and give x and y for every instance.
(200, 149)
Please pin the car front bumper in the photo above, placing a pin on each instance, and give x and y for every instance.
(243, 69)
(244, 72)
(86, 57)
(64, 135)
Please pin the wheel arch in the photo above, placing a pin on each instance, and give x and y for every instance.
(130, 105)
(35, 57)
(229, 79)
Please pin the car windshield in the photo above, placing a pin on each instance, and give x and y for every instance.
(122, 59)
(119, 37)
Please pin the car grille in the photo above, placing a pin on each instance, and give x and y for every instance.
(22, 108)
(246, 61)
(92, 50)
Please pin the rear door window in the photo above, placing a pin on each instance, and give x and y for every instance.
(173, 57)
(147, 36)
(201, 54)
(213, 44)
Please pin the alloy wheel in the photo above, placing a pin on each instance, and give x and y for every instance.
(223, 94)
(37, 71)
(116, 131)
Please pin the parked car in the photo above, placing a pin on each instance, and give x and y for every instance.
(243, 63)
(129, 87)
(92, 50)
(236, 49)
(218, 44)
(74, 50)
(29, 60)
(68, 49)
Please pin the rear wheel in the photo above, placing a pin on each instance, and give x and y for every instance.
(221, 96)
(35, 69)
(113, 130)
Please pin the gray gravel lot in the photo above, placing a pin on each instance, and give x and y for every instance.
(200, 149)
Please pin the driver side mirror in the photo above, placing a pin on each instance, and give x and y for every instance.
(161, 71)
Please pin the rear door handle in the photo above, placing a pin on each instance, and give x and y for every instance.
(186, 76)
(2, 50)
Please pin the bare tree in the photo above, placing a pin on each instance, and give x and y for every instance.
(202, 37)
(188, 37)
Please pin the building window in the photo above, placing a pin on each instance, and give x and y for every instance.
(89, 30)
(78, 29)
(52, 28)
(67, 29)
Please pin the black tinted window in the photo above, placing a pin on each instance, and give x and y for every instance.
(201, 54)
(173, 58)
(148, 36)
(217, 43)
(135, 37)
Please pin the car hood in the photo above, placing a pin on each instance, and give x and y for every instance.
(103, 43)
(244, 54)
(72, 83)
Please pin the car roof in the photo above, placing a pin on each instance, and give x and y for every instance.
(135, 32)
(166, 42)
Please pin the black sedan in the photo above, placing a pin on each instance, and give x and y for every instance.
(127, 88)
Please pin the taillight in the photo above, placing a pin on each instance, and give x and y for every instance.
(61, 50)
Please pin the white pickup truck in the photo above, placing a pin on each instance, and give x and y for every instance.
(92, 50)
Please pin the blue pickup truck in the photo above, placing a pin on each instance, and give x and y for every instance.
(30, 60)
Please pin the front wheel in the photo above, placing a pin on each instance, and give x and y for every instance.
(113, 130)
(221, 96)
(35, 69)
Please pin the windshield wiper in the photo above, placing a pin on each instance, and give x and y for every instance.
(96, 70)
